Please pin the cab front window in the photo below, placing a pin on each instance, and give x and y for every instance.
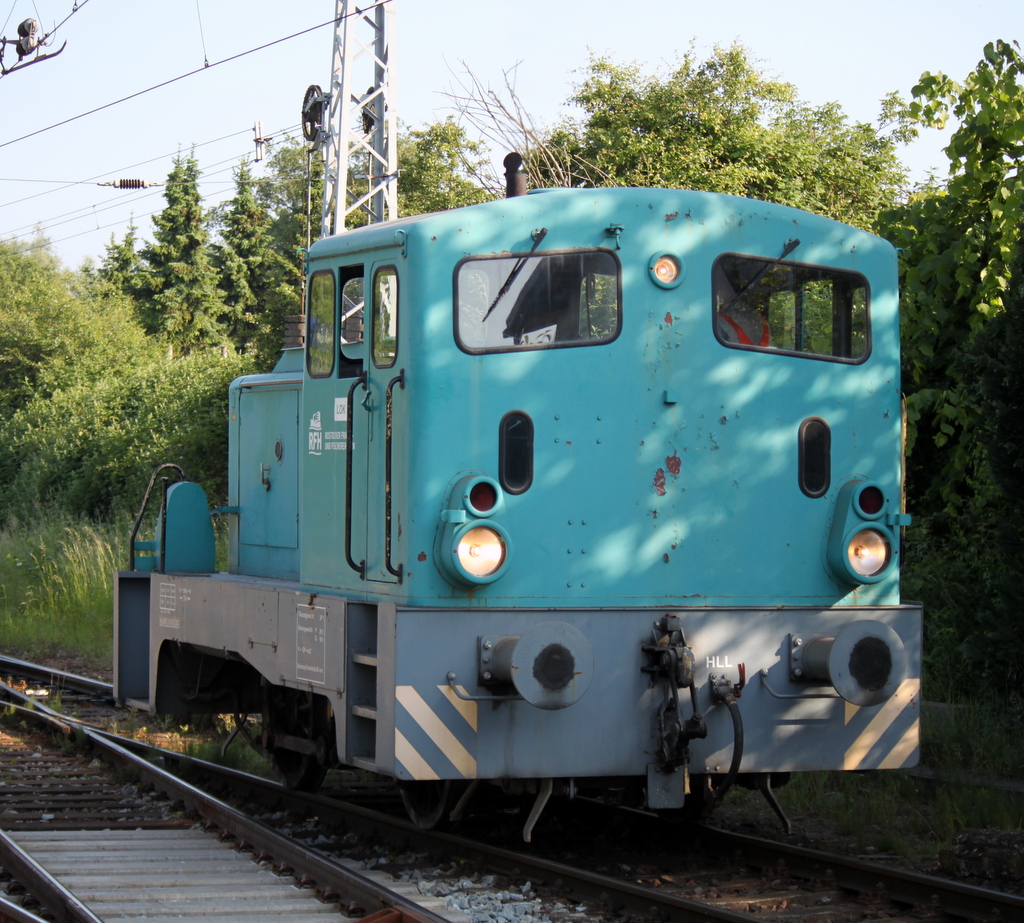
(793, 308)
(537, 301)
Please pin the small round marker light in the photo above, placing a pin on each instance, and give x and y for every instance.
(666, 270)
(483, 496)
(871, 500)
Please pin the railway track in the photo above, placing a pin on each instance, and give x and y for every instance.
(57, 679)
(729, 877)
(84, 844)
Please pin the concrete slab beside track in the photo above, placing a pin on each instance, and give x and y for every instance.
(166, 875)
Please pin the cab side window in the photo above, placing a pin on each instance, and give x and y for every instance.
(350, 329)
(385, 316)
(320, 325)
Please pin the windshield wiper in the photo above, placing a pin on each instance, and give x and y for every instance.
(538, 236)
(791, 245)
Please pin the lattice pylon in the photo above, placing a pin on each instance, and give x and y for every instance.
(360, 144)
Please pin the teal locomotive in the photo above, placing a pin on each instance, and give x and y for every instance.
(577, 491)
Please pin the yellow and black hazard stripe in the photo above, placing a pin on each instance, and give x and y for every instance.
(435, 733)
(886, 737)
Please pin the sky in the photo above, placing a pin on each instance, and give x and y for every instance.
(853, 54)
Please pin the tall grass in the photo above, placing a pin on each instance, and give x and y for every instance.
(56, 584)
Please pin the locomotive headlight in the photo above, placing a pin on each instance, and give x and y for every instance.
(474, 552)
(869, 552)
(473, 549)
(481, 551)
(863, 544)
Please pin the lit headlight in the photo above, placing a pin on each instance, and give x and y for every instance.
(868, 552)
(481, 551)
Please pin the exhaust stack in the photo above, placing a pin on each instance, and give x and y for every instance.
(515, 181)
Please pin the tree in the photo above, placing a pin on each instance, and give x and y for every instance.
(436, 164)
(180, 297)
(282, 191)
(721, 125)
(260, 286)
(957, 243)
(120, 267)
(52, 328)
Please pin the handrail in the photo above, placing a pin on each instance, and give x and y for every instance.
(399, 379)
(145, 503)
(800, 695)
(359, 568)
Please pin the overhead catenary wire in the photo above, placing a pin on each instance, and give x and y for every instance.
(125, 169)
(132, 198)
(44, 40)
(8, 19)
(75, 7)
(88, 210)
(191, 73)
(15, 232)
(202, 38)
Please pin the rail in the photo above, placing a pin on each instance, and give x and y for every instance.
(305, 864)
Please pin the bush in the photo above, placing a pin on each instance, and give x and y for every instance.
(89, 449)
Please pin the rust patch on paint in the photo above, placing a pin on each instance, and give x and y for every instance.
(668, 318)
(659, 482)
(422, 556)
(672, 217)
(674, 464)
(664, 557)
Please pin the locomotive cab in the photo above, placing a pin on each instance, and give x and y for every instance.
(565, 491)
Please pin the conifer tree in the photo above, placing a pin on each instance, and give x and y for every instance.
(180, 296)
(260, 286)
(120, 266)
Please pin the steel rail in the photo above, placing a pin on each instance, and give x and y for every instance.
(906, 887)
(70, 681)
(58, 900)
(287, 853)
(958, 899)
(577, 883)
(15, 913)
(912, 888)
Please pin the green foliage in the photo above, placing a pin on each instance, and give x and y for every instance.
(283, 193)
(55, 589)
(721, 125)
(435, 165)
(120, 264)
(260, 285)
(992, 370)
(957, 243)
(89, 449)
(52, 328)
(181, 300)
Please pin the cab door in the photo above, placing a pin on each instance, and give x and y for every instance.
(333, 508)
(376, 450)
